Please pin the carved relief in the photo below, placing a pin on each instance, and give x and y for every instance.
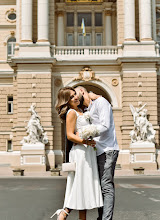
(86, 74)
(57, 82)
(115, 82)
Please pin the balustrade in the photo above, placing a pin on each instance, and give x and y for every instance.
(82, 52)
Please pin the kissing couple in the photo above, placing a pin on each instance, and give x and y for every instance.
(92, 184)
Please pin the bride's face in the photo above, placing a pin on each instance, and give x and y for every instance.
(74, 100)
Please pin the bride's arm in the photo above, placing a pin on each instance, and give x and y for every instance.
(70, 128)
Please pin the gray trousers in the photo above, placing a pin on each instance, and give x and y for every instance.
(106, 167)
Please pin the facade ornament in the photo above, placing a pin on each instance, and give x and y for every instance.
(12, 33)
(9, 12)
(34, 129)
(143, 130)
(115, 82)
(57, 82)
(86, 74)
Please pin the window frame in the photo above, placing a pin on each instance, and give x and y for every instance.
(67, 18)
(96, 12)
(7, 144)
(84, 40)
(67, 39)
(12, 45)
(78, 13)
(101, 39)
(9, 103)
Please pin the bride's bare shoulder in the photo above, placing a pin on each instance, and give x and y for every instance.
(71, 113)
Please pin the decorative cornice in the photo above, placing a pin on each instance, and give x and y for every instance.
(41, 60)
(138, 59)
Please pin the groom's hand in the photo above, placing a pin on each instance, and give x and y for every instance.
(91, 143)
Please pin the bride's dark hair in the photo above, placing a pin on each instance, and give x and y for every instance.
(63, 98)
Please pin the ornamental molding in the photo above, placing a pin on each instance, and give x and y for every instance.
(86, 74)
(115, 82)
(12, 34)
(8, 12)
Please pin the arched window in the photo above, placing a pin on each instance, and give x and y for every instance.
(10, 47)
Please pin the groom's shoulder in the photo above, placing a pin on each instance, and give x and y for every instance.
(102, 100)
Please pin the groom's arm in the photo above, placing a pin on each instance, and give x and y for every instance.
(103, 111)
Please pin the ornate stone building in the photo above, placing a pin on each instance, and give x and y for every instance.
(42, 49)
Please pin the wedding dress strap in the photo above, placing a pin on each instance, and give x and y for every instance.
(73, 110)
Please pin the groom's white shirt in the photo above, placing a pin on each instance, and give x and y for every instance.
(101, 115)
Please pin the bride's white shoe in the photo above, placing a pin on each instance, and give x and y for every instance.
(58, 212)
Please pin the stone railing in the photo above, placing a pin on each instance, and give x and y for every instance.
(87, 52)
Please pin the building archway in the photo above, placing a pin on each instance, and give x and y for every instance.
(97, 87)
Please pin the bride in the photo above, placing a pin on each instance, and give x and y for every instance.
(83, 191)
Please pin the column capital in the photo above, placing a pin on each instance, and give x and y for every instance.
(60, 13)
(108, 12)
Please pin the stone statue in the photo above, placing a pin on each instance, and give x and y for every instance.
(34, 129)
(143, 130)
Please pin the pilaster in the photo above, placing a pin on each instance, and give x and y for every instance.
(145, 20)
(43, 20)
(108, 27)
(26, 13)
(129, 20)
(60, 31)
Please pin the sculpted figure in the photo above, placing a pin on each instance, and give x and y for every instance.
(35, 131)
(143, 129)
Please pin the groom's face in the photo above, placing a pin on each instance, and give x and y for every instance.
(80, 96)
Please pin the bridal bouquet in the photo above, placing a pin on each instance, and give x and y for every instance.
(88, 132)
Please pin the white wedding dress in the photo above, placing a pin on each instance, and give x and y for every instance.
(83, 190)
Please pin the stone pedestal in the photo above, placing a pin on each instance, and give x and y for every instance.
(143, 154)
(33, 157)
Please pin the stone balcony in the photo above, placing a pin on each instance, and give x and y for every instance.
(87, 53)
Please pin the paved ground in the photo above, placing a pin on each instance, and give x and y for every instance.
(30, 198)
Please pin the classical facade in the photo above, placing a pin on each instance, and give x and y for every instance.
(42, 48)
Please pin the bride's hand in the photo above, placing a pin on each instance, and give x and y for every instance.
(91, 143)
(77, 133)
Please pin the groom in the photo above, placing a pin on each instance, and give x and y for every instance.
(107, 148)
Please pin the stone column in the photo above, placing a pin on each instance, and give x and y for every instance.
(129, 20)
(93, 41)
(43, 20)
(154, 19)
(75, 29)
(145, 20)
(17, 21)
(26, 23)
(108, 27)
(60, 32)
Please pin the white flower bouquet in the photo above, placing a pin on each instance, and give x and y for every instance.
(88, 132)
(87, 116)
